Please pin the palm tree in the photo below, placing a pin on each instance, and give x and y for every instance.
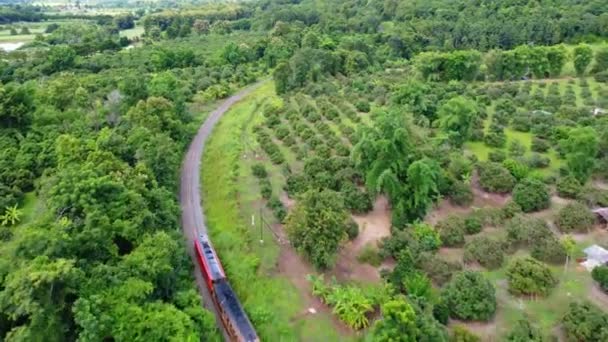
(11, 216)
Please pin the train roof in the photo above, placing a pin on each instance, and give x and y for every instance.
(211, 259)
(228, 300)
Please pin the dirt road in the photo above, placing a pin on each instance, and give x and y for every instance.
(193, 218)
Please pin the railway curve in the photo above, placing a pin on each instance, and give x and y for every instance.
(193, 217)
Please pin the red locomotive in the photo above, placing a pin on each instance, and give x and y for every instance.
(233, 316)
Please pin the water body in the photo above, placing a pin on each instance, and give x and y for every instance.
(8, 47)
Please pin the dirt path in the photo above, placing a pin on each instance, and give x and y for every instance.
(193, 219)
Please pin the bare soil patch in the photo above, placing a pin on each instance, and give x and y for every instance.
(373, 226)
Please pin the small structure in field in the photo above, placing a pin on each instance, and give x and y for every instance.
(601, 215)
(599, 111)
(596, 256)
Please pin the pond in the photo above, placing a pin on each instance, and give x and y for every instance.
(8, 47)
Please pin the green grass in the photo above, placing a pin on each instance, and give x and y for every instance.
(31, 208)
(137, 31)
(272, 302)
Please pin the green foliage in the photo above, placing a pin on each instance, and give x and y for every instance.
(495, 178)
(569, 187)
(600, 275)
(11, 216)
(369, 254)
(470, 296)
(401, 322)
(317, 225)
(461, 334)
(529, 276)
(583, 55)
(580, 147)
(437, 269)
(531, 195)
(348, 302)
(456, 117)
(524, 331)
(574, 217)
(451, 231)
(428, 238)
(585, 322)
(488, 252)
(259, 170)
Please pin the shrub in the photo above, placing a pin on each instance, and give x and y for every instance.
(369, 255)
(516, 168)
(495, 139)
(428, 238)
(528, 276)
(461, 334)
(526, 230)
(451, 231)
(540, 145)
(363, 106)
(352, 229)
(473, 224)
(585, 322)
(574, 217)
(510, 210)
(486, 251)
(461, 193)
(524, 331)
(531, 195)
(497, 156)
(538, 161)
(265, 188)
(441, 312)
(600, 275)
(277, 208)
(439, 271)
(549, 249)
(259, 170)
(516, 149)
(296, 184)
(569, 187)
(470, 296)
(356, 200)
(495, 178)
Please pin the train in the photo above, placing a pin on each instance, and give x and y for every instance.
(233, 317)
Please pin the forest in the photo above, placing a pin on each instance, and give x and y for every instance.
(401, 170)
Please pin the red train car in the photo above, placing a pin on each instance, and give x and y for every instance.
(231, 312)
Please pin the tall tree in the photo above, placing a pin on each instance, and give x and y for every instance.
(581, 148)
(583, 54)
(317, 225)
(456, 118)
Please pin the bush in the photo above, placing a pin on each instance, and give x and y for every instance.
(438, 270)
(277, 208)
(497, 156)
(574, 217)
(441, 312)
(540, 145)
(427, 237)
(524, 331)
(510, 210)
(259, 170)
(600, 275)
(487, 252)
(265, 188)
(516, 149)
(538, 161)
(363, 106)
(461, 334)
(569, 187)
(525, 231)
(585, 322)
(470, 296)
(549, 249)
(495, 139)
(528, 276)
(473, 223)
(352, 229)
(451, 231)
(461, 193)
(356, 200)
(369, 255)
(495, 178)
(517, 169)
(296, 184)
(531, 195)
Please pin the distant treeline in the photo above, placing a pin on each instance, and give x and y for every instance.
(13, 13)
